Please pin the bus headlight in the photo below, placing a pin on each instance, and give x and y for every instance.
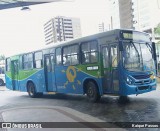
(152, 77)
(129, 81)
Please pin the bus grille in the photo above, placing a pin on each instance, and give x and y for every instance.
(143, 87)
(143, 82)
(142, 76)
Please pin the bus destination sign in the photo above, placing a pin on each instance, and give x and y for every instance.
(135, 36)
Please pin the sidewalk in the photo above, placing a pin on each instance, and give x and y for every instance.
(54, 114)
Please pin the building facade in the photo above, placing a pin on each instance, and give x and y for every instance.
(101, 27)
(125, 14)
(134, 14)
(62, 28)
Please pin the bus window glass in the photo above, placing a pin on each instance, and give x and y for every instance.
(52, 62)
(20, 62)
(105, 57)
(48, 65)
(70, 55)
(66, 57)
(8, 64)
(89, 52)
(25, 63)
(114, 56)
(28, 61)
(137, 56)
(58, 56)
(38, 59)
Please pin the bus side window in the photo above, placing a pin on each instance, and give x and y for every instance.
(71, 55)
(38, 60)
(58, 56)
(28, 61)
(8, 62)
(89, 52)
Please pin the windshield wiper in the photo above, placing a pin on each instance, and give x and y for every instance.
(149, 47)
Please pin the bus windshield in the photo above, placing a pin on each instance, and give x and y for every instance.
(137, 56)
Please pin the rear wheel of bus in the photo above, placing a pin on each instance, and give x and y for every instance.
(92, 92)
(32, 91)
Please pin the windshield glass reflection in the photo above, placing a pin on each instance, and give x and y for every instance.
(137, 56)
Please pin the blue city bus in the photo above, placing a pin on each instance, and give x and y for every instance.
(118, 62)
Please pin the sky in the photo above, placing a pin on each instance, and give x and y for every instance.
(22, 31)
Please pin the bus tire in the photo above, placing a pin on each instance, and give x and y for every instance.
(40, 94)
(31, 90)
(92, 92)
(1, 82)
(123, 99)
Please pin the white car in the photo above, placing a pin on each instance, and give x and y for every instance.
(2, 76)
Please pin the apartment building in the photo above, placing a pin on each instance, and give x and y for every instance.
(62, 28)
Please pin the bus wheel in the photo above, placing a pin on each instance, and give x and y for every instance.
(31, 90)
(123, 99)
(92, 92)
(1, 82)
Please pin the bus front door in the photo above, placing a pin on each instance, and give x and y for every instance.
(114, 68)
(14, 72)
(49, 72)
(110, 64)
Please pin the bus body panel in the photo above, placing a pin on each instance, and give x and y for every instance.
(70, 79)
(36, 76)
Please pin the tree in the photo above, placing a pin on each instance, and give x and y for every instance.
(157, 29)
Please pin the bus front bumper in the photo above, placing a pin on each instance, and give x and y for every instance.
(139, 89)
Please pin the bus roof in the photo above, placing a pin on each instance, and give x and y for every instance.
(91, 37)
(86, 38)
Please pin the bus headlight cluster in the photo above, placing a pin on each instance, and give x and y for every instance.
(129, 80)
(153, 78)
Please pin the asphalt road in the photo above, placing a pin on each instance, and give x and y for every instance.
(141, 108)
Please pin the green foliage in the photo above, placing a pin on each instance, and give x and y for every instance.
(157, 29)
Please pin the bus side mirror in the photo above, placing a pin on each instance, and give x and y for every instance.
(120, 46)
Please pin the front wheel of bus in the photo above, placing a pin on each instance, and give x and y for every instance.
(31, 90)
(92, 92)
(123, 99)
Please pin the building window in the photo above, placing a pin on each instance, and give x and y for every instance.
(89, 52)
(71, 55)
(38, 59)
